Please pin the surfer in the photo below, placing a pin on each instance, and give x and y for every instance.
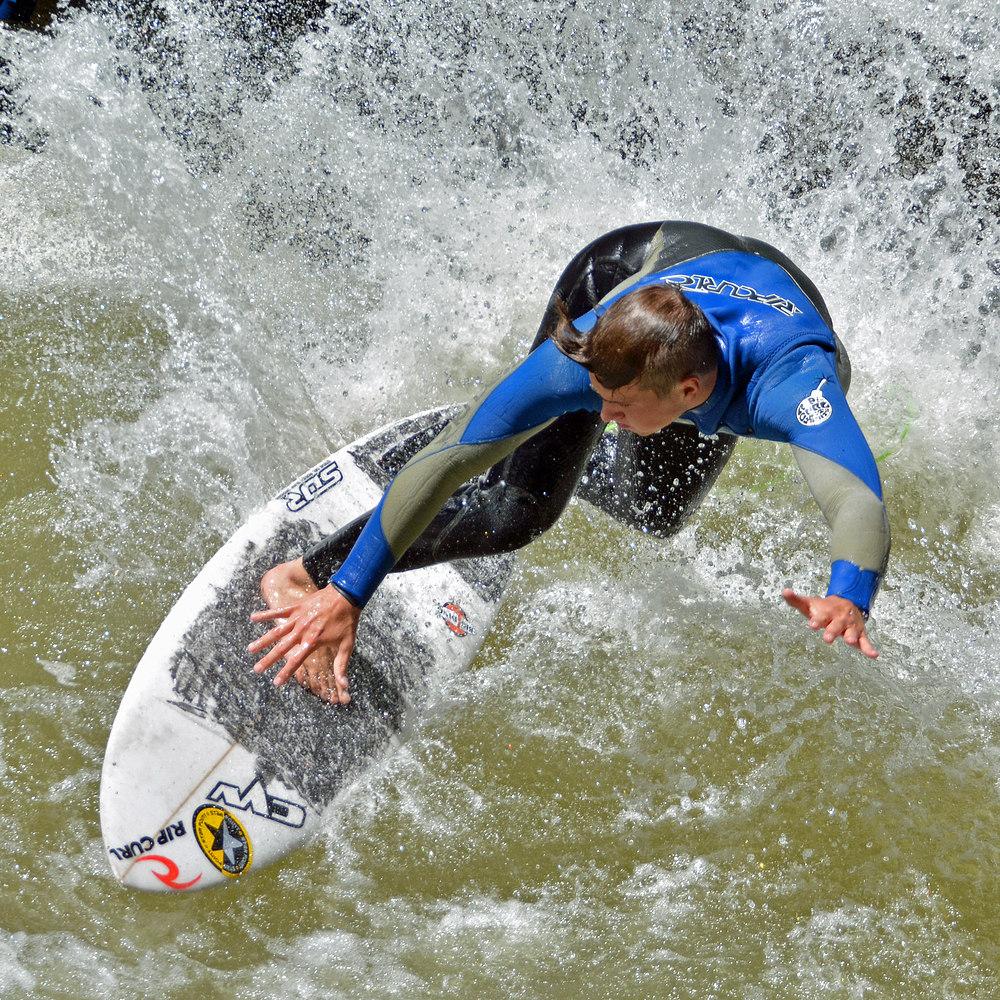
(683, 335)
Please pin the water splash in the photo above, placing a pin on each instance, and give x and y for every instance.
(235, 237)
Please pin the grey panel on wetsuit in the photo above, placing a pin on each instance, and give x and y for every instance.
(423, 485)
(651, 264)
(858, 521)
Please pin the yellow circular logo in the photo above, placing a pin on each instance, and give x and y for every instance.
(223, 839)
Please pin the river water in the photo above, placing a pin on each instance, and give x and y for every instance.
(234, 239)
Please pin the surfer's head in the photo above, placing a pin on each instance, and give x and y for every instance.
(652, 338)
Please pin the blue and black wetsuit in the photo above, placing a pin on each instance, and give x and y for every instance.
(537, 431)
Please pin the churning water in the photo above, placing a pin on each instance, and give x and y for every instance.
(234, 237)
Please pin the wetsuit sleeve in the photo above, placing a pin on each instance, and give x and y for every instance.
(804, 405)
(859, 542)
(519, 405)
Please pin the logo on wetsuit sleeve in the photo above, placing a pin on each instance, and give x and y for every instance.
(815, 408)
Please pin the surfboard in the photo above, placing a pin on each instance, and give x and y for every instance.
(210, 771)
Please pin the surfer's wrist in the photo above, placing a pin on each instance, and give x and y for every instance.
(854, 584)
(350, 598)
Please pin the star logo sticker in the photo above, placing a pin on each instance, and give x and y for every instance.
(223, 839)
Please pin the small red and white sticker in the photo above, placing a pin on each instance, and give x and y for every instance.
(456, 619)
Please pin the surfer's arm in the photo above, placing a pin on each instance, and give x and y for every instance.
(859, 551)
(515, 408)
(545, 385)
(859, 527)
(811, 413)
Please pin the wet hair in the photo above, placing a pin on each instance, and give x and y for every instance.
(654, 336)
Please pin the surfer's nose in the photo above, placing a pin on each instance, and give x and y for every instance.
(612, 413)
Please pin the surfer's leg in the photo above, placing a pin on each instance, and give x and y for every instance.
(513, 502)
(504, 509)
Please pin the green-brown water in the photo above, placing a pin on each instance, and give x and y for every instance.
(230, 244)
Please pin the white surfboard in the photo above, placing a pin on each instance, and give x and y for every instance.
(210, 771)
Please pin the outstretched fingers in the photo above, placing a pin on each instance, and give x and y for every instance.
(854, 635)
(267, 614)
(325, 676)
(281, 637)
(836, 616)
(294, 654)
(315, 637)
(801, 604)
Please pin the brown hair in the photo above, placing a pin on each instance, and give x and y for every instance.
(654, 335)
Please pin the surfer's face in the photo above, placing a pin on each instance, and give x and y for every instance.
(643, 411)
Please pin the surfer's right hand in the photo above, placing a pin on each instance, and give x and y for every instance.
(321, 619)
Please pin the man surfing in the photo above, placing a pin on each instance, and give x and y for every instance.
(685, 336)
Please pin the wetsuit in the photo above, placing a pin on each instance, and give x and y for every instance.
(782, 375)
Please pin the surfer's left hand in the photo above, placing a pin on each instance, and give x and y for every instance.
(837, 616)
(322, 619)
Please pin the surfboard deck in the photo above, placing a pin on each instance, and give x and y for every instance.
(210, 771)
